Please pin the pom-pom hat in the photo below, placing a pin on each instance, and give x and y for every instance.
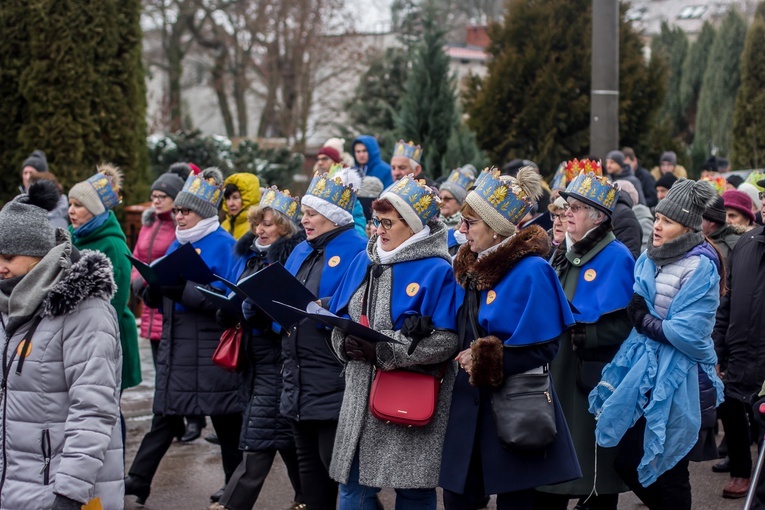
(24, 225)
(458, 183)
(100, 192)
(501, 201)
(282, 202)
(333, 194)
(591, 187)
(686, 202)
(414, 200)
(202, 193)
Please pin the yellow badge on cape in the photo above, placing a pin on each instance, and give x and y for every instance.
(29, 348)
(412, 289)
(590, 275)
(199, 251)
(93, 504)
(334, 261)
(490, 297)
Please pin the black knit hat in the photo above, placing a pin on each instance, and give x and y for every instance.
(36, 160)
(168, 183)
(24, 225)
(716, 212)
(686, 201)
(666, 180)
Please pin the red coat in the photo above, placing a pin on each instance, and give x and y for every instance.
(156, 235)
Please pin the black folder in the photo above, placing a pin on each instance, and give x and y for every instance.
(184, 264)
(231, 303)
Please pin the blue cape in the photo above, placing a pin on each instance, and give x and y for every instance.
(338, 255)
(420, 287)
(526, 307)
(375, 167)
(604, 284)
(667, 371)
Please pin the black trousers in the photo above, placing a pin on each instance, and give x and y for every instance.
(165, 428)
(671, 491)
(315, 440)
(735, 418)
(547, 501)
(244, 487)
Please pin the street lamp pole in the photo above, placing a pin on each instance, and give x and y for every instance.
(604, 95)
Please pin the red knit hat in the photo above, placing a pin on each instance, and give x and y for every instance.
(739, 201)
(330, 153)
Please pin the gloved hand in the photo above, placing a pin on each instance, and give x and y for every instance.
(226, 319)
(249, 309)
(417, 327)
(152, 296)
(174, 292)
(636, 310)
(357, 349)
(578, 336)
(64, 503)
(137, 286)
(759, 416)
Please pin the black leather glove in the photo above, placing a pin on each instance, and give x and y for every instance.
(759, 416)
(578, 336)
(152, 297)
(636, 310)
(417, 327)
(226, 319)
(137, 286)
(357, 349)
(174, 292)
(64, 503)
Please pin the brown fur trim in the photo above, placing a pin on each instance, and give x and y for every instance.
(486, 273)
(488, 368)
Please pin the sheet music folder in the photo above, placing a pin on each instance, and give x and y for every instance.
(175, 268)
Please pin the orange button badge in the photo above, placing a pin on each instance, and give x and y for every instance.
(590, 275)
(334, 261)
(490, 297)
(412, 289)
(29, 349)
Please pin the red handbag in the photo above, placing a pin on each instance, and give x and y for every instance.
(226, 355)
(404, 397)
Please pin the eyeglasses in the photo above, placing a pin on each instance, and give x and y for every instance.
(469, 223)
(762, 195)
(575, 208)
(154, 197)
(183, 210)
(386, 223)
(447, 199)
(557, 216)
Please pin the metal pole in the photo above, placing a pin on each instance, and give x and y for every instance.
(604, 94)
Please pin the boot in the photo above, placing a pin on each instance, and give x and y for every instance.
(723, 466)
(138, 487)
(215, 497)
(193, 431)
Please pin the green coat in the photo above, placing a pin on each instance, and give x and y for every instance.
(110, 240)
(603, 340)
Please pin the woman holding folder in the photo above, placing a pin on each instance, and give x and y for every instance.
(403, 286)
(274, 233)
(312, 377)
(188, 382)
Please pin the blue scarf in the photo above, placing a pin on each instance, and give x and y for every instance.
(91, 225)
(660, 381)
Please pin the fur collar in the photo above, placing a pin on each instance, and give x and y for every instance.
(149, 217)
(91, 276)
(584, 245)
(486, 273)
(242, 246)
(279, 251)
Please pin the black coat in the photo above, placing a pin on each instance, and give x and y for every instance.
(649, 186)
(627, 228)
(263, 427)
(739, 332)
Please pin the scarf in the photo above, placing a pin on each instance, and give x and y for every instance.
(674, 250)
(91, 225)
(256, 246)
(387, 256)
(199, 231)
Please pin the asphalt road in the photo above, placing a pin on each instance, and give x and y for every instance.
(189, 473)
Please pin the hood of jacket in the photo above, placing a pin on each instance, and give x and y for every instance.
(149, 217)
(433, 245)
(90, 276)
(249, 187)
(373, 148)
(486, 272)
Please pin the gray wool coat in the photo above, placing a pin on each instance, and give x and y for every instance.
(60, 427)
(392, 455)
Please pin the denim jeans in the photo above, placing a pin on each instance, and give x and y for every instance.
(354, 496)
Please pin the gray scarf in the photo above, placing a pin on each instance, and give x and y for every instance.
(674, 250)
(20, 299)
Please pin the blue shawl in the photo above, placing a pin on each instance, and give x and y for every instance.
(660, 381)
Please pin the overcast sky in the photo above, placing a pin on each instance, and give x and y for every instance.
(371, 15)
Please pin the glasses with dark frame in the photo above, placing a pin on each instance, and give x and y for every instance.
(575, 208)
(183, 210)
(386, 223)
(156, 196)
(469, 223)
(558, 216)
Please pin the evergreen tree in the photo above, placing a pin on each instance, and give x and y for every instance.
(672, 46)
(748, 146)
(718, 90)
(427, 112)
(534, 102)
(694, 66)
(462, 150)
(83, 89)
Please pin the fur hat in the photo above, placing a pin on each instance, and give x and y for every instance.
(686, 201)
(100, 192)
(36, 160)
(716, 211)
(24, 225)
(170, 184)
(202, 193)
(739, 201)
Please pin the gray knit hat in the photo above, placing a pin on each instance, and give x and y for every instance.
(36, 160)
(24, 225)
(669, 157)
(100, 192)
(617, 156)
(686, 202)
(202, 193)
(170, 184)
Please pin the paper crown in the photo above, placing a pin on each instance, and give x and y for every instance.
(461, 178)
(410, 150)
(208, 191)
(281, 201)
(718, 183)
(103, 185)
(504, 195)
(416, 195)
(332, 190)
(592, 188)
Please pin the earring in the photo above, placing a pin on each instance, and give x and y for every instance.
(495, 236)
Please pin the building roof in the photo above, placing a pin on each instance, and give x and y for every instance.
(688, 15)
